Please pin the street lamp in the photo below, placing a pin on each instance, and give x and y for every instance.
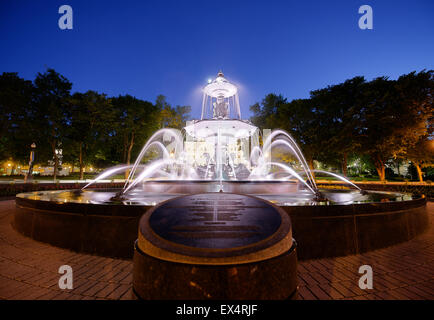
(29, 176)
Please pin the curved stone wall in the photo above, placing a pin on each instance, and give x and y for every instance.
(320, 231)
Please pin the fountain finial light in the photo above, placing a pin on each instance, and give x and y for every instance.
(222, 96)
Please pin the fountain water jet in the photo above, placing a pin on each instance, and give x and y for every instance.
(215, 149)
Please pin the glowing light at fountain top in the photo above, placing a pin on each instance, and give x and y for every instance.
(220, 112)
(220, 97)
(220, 87)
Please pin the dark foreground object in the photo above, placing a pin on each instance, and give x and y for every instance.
(215, 246)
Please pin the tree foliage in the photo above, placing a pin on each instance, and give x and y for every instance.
(88, 116)
(90, 128)
(16, 96)
(383, 119)
(170, 117)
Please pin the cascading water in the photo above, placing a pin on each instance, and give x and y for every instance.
(214, 149)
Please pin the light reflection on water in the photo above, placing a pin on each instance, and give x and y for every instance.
(299, 198)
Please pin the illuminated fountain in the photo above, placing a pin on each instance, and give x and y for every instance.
(222, 153)
(220, 148)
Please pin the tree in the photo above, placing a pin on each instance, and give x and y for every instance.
(135, 121)
(394, 116)
(265, 114)
(376, 122)
(384, 119)
(415, 94)
(298, 117)
(90, 117)
(182, 114)
(52, 93)
(422, 155)
(336, 106)
(172, 117)
(303, 121)
(16, 120)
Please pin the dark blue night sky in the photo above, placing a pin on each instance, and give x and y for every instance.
(145, 48)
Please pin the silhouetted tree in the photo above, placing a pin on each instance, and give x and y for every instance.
(52, 92)
(384, 119)
(16, 117)
(89, 117)
(135, 121)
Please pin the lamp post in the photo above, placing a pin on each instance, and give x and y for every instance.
(29, 176)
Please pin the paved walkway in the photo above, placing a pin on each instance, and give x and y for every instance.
(29, 270)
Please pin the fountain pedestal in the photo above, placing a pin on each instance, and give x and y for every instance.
(215, 246)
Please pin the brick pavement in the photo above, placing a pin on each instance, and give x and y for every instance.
(29, 270)
(404, 271)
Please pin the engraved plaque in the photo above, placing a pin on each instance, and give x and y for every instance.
(215, 221)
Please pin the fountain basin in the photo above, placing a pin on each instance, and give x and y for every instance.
(351, 223)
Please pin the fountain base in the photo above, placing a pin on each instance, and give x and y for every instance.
(349, 223)
(215, 246)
